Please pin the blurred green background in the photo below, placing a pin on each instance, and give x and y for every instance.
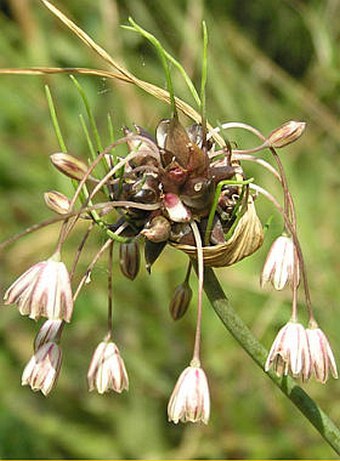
(269, 61)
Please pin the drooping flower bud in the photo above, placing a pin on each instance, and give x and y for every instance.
(129, 259)
(180, 300)
(286, 134)
(69, 165)
(57, 202)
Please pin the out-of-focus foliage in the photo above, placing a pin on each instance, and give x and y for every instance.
(268, 62)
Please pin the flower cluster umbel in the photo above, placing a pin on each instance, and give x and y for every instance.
(188, 189)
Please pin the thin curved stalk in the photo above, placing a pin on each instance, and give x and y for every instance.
(239, 330)
(153, 90)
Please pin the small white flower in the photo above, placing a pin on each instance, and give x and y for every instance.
(42, 371)
(44, 290)
(190, 399)
(290, 352)
(107, 370)
(322, 358)
(176, 210)
(280, 262)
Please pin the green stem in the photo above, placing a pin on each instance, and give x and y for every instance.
(164, 60)
(90, 115)
(110, 129)
(87, 137)
(204, 73)
(238, 329)
(215, 202)
(164, 54)
(54, 118)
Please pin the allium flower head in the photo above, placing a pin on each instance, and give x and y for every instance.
(107, 370)
(42, 371)
(322, 358)
(190, 399)
(290, 352)
(44, 290)
(279, 265)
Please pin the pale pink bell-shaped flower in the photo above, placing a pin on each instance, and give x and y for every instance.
(280, 262)
(107, 370)
(50, 331)
(322, 358)
(44, 290)
(290, 352)
(42, 371)
(190, 399)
